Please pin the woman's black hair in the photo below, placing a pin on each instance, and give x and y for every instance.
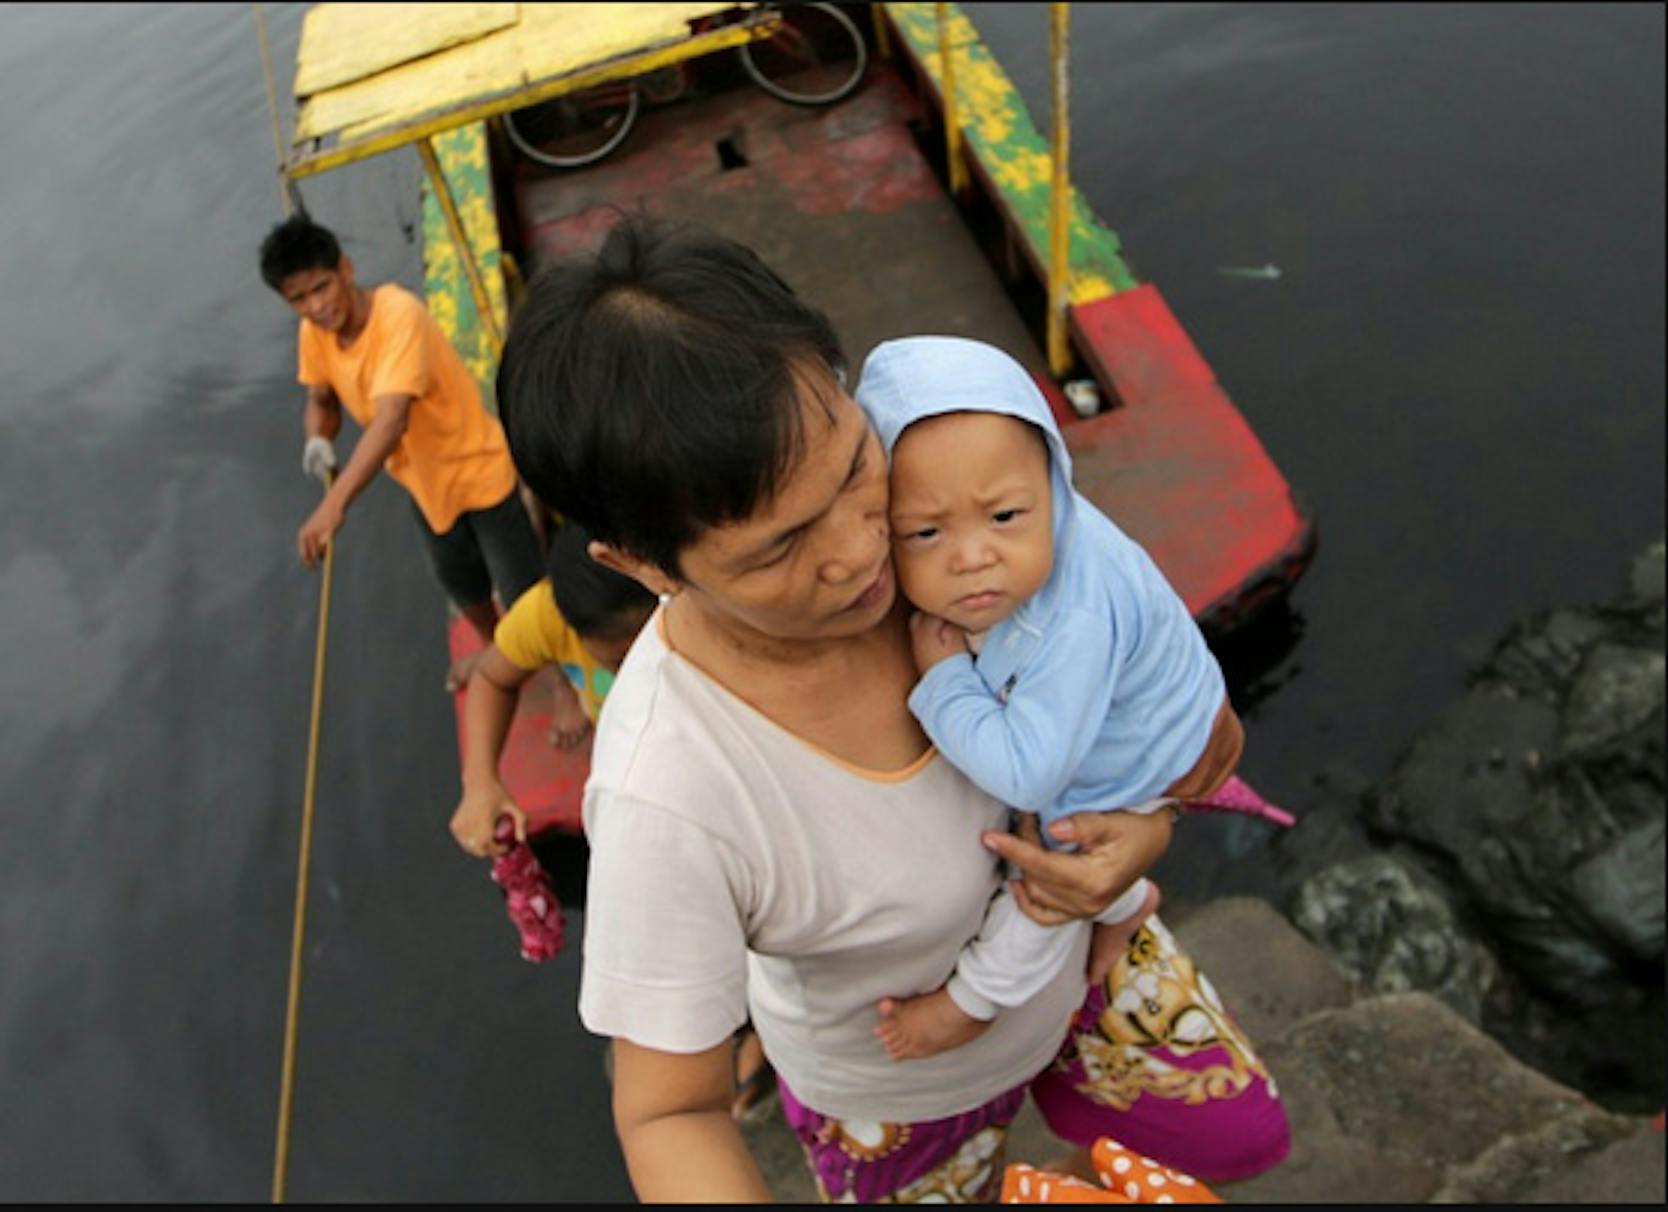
(649, 391)
(295, 245)
(594, 600)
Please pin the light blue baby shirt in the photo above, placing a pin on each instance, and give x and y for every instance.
(1098, 692)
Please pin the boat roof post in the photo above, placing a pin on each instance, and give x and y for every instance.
(952, 118)
(1059, 231)
(466, 251)
(883, 40)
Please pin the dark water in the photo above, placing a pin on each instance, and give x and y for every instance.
(1461, 368)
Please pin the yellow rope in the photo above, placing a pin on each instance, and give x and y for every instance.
(287, 1089)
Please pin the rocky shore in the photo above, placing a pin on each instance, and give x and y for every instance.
(1465, 1003)
(1515, 865)
(1393, 1097)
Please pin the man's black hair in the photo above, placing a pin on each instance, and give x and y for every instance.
(593, 599)
(649, 391)
(295, 245)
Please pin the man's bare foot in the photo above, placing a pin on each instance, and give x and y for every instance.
(1110, 943)
(925, 1025)
(457, 674)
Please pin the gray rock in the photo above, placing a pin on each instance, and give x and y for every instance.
(1391, 1093)
(1267, 987)
(1616, 690)
(1622, 889)
(1537, 799)
(1394, 933)
(1646, 578)
(1631, 1171)
(1585, 1157)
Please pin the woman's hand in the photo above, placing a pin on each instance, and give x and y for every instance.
(1114, 850)
(476, 819)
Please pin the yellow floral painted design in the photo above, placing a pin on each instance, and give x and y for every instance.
(1157, 998)
(462, 154)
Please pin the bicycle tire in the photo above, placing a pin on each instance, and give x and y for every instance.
(846, 84)
(552, 160)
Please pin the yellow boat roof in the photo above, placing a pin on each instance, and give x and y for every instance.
(371, 77)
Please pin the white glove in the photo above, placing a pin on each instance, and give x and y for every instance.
(318, 458)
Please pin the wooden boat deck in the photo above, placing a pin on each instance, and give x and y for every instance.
(840, 202)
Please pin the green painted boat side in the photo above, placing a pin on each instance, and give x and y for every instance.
(462, 154)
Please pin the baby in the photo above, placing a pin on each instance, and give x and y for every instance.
(1059, 669)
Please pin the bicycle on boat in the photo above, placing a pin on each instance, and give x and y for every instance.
(816, 57)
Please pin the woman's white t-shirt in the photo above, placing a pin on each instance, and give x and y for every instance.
(737, 869)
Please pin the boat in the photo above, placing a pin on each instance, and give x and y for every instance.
(926, 200)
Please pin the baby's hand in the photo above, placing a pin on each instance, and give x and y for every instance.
(933, 639)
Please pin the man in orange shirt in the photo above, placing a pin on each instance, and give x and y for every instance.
(379, 354)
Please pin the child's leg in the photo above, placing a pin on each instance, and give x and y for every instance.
(914, 1027)
(1114, 931)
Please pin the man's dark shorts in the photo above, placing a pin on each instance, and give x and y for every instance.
(485, 548)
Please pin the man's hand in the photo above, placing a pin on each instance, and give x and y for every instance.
(476, 819)
(317, 531)
(933, 639)
(569, 724)
(318, 458)
(1114, 850)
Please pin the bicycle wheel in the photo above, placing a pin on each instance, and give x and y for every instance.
(817, 58)
(578, 129)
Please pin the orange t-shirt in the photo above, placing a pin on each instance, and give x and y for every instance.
(452, 456)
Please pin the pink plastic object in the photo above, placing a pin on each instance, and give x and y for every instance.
(1236, 796)
(528, 898)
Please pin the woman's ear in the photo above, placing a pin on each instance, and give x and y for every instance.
(648, 575)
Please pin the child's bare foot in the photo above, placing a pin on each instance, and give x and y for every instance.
(1110, 942)
(925, 1026)
(457, 674)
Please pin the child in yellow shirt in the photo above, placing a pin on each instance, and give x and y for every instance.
(582, 617)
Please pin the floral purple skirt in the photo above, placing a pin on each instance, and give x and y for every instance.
(1152, 1059)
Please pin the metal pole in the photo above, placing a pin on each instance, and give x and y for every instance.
(952, 119)
(1059, 232)
(466, 251)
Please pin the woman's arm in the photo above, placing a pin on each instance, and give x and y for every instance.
(672, 1113)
